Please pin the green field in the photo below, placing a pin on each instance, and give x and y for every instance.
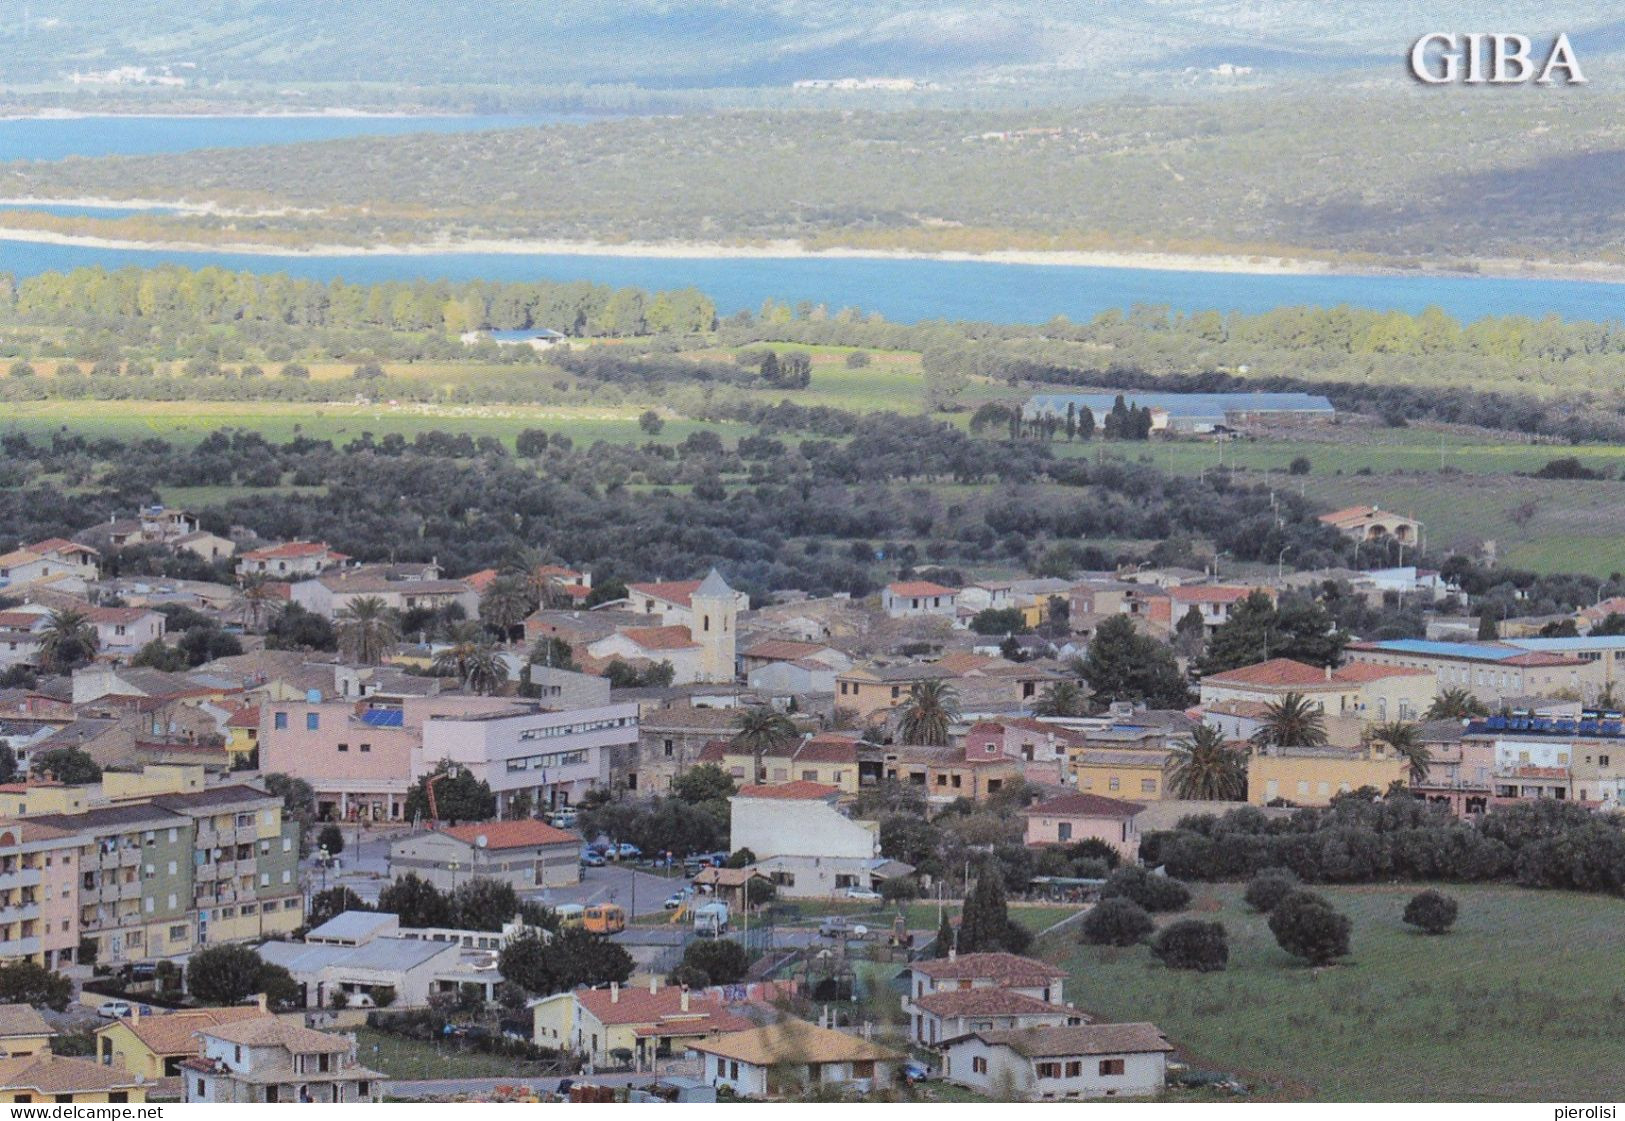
(413, 1060)
(1523, 1001)
(187, 422)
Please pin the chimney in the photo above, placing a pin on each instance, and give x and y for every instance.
(684, 1004)
(654, 984)
(1328, 673)
(614, 992)
(952, 953)
(135, 1012)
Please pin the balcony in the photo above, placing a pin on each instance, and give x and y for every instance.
(20, 877)
(19, 912)
(20, 947)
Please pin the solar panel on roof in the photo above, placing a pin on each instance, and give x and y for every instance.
(383, 717)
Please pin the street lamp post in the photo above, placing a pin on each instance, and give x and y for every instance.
(324, 859)
(454, 865)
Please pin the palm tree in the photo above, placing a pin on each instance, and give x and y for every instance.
(506, 603)
(1407, 744)
(1064, 698)
(68, 639)
(763, 729)
(1293, 721)
(1456, 704)
(257, 596)
(366, 628)
(485, 672)
(1208, 769)
(932, 706)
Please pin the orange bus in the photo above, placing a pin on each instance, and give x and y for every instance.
(604, 918)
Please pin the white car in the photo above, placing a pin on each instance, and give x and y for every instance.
(866, 894)
(114, 1010)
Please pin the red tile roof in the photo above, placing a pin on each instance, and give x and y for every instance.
(798, 791)
(480, 580)
(511, 834)
(920, 588)
(1209, 593)
(818, 750)
(633, 1005)
(289, 550)
(660, 638)
(679, 592)
(712, 752)
(1005, 969)
(1084, 805)
(246, 717)
(60, 545)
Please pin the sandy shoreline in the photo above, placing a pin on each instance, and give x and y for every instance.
(1233, 264)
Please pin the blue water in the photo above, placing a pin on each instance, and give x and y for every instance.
(36, 138)
(83, 210)
(906, 291)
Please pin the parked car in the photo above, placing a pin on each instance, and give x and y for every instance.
(562, 819)
(865, 894)
(626, 850)
(592, 859)
(114, 1009)
(677, 898)
(915, 1071)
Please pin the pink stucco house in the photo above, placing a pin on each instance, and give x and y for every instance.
(1076, 817)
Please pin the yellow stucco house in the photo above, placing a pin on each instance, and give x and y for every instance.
(643, 1023)
(153, 1047)
(1311, 776)
(1136, 775)
(23, 1031)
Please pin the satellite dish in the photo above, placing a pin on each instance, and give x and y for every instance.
(481, 841)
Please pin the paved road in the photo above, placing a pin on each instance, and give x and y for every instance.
(449, 1087)
(614, 883)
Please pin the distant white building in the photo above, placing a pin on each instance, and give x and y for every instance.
(909, 598)
(268, 1060)
(1054, 1063)
(803, 843)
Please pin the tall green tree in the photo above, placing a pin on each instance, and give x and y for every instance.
(506, 602)
(1124, 665)
(1064, 698)
(71, 766)
(984, 922)
(458, 796)
(931, 708)
(1258, 629)
(416, 902)
(1207, 768)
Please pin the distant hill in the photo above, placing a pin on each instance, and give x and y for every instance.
(1375, 178)
(710, 44)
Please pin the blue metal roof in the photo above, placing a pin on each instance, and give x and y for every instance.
(383, 717)
(1569, 645)
(1206, 406)
(1429, 648)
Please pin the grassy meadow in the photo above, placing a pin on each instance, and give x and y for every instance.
(1522, 1001)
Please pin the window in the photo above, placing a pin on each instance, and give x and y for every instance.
(1112, 783)
(313, 721)
(733, 1070)
(809, 776)
(1074, 1069)
(171, 867)
(174, 835)
(1050, 1070)
(671, 748)
(1110, 1067)
(1063, 831)
(177, 933)
(344, 747)
(279, 721)
(1148, 786)
(366, 749)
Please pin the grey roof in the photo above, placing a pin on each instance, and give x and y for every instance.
(1083, 1039)
(713, 586)
(111, 818)
(382, 954)
(353, 926)
(233, 795)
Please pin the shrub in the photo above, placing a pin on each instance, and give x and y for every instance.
(1306, 926)
(1268, 888)
(899, 889)
(723, 961)
(1192, 944)
(1118, 921)
(1154, 893)
(1432, 912)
